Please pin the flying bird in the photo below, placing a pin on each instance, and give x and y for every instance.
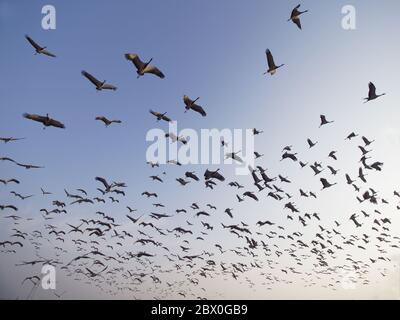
(191, 104)
(250, 195)
(326, 184)
(271, 64)
(234, 156)
(106, 121)
(45, 120)
(295, 16)
(160, 116)
(324, 121)
(143, 67)
(310, 143)
(8, 139)
(100, 85)
(191, 175)
(9, 181)
(372, 93)
(38, 48)
(351, 136)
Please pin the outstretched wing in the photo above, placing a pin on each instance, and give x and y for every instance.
(34, 117)
(48, 53)
(187, 100)
(198, 109)
(270, 59)
(296, 21)
(164, 117)
(103, 181)
(135, 60)
(154, 113)
(108, 86)
(33, 43)
(372, 90)
(154, 70)
(295, 12)
(92, 79)
(56, 124)
(101, 118)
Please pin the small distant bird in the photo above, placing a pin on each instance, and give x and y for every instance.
(234, 156)
(182, 181)
(100, 85)
(251, 195)
(191, 175)
(372, 93)
(351, 136)
(175, 138)
(295, 16)
(333, 170)
(45, 120)
(213, 175)
(271, 64)
(291, 156)
(191, 104)
(6, 140)
(106, 121)
(228, 211)
(361, 175)
(366, 141)
(310, 143)
(39, 49)
(326, 184)
(156, 178)
(257, 155)
(256, 132)
(332, 155)
(176, 162)
(324, 121)
(9, 181)
(160, 116)
(143, 67)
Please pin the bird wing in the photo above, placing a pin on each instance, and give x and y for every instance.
(164, 117)
(270, 59)
(297, 22)
(102, 118)
(134, 58)
(56, 124)
(103, 181)
(92, 79)
(154, 113)
(199, 109)
(48, 53)
(33, 43)
(109, 86)
(187, 100)
(372, 89)
(34, 117)
(295, 12)
(154, 70)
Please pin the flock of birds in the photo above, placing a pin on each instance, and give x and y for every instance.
(135, 254)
